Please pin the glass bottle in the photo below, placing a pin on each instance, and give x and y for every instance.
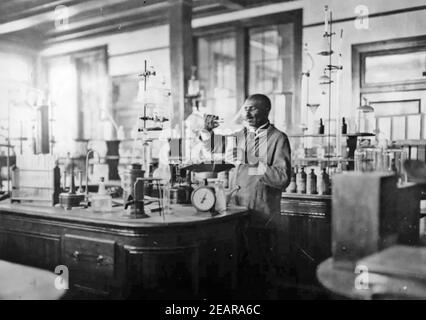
(292, 186)
(323, 183)
(220, 204)
(193, 83)
(102, 201)
(321, 127)
(311, 183)
(301, 181)
(344, 126)
(102, 188)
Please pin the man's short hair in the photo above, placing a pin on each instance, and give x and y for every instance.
(262, 99)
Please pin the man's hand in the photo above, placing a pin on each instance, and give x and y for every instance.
(210, 122)
(261, 167)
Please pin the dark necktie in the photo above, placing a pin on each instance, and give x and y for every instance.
(251, 146)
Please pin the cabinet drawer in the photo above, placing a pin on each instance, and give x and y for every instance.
(89, 257)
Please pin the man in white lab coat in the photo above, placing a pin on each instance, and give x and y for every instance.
(262, 157)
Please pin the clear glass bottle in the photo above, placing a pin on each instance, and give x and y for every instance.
(220, 204)
(102, 188)
(102, 201)
(193, 83)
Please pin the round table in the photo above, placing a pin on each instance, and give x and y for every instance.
(342, 282)
(19, 282)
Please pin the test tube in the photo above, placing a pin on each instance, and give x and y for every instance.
(231, 148)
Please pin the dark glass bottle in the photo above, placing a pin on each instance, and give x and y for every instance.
(321, 127)
(344, 126)
(311, 183)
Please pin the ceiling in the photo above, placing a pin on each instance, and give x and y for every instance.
(39, 22)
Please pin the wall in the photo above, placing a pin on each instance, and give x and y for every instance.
(125, 58)
(126, 51)
(398, 25)
(386, 27)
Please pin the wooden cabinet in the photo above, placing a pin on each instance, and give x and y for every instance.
(110, 256)
(38, 249)
(90, 261)
(306, 222)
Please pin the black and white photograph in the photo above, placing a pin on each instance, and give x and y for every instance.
(212, 156)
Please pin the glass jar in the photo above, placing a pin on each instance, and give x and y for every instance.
(395, 158)
(365, 118)
(364, 159)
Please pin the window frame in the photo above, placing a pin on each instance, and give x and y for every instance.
(403, 50)
(241, 30)
(405, 115)
(361, 51)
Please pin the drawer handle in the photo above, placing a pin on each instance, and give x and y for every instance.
(76, 254)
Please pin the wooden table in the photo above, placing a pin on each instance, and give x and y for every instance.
(18, 282)
(113, 256)
(341, 282)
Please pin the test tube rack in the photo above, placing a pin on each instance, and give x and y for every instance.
(36, 180)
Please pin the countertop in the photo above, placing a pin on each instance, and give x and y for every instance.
(118, 217)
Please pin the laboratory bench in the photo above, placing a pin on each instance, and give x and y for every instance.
(111, 255)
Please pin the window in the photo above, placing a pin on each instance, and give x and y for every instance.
(217, 74)
(391, 75)
(392, 68)
(79, 91)
(265, 67)
(18, 95)
(259, 55)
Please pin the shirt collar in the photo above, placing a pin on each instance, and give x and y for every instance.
(256, 131)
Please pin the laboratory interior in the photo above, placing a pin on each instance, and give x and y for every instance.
(199, 149)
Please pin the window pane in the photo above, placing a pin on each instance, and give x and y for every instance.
(398, 128)
(217, 75)
(413, 128)
(265, 68)
(392, 108)
(395, 67)
(384, 126)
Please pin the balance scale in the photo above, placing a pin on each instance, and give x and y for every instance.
(203, 198)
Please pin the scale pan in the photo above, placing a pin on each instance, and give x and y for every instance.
(209, 167)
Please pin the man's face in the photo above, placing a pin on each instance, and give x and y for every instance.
(254, 113)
